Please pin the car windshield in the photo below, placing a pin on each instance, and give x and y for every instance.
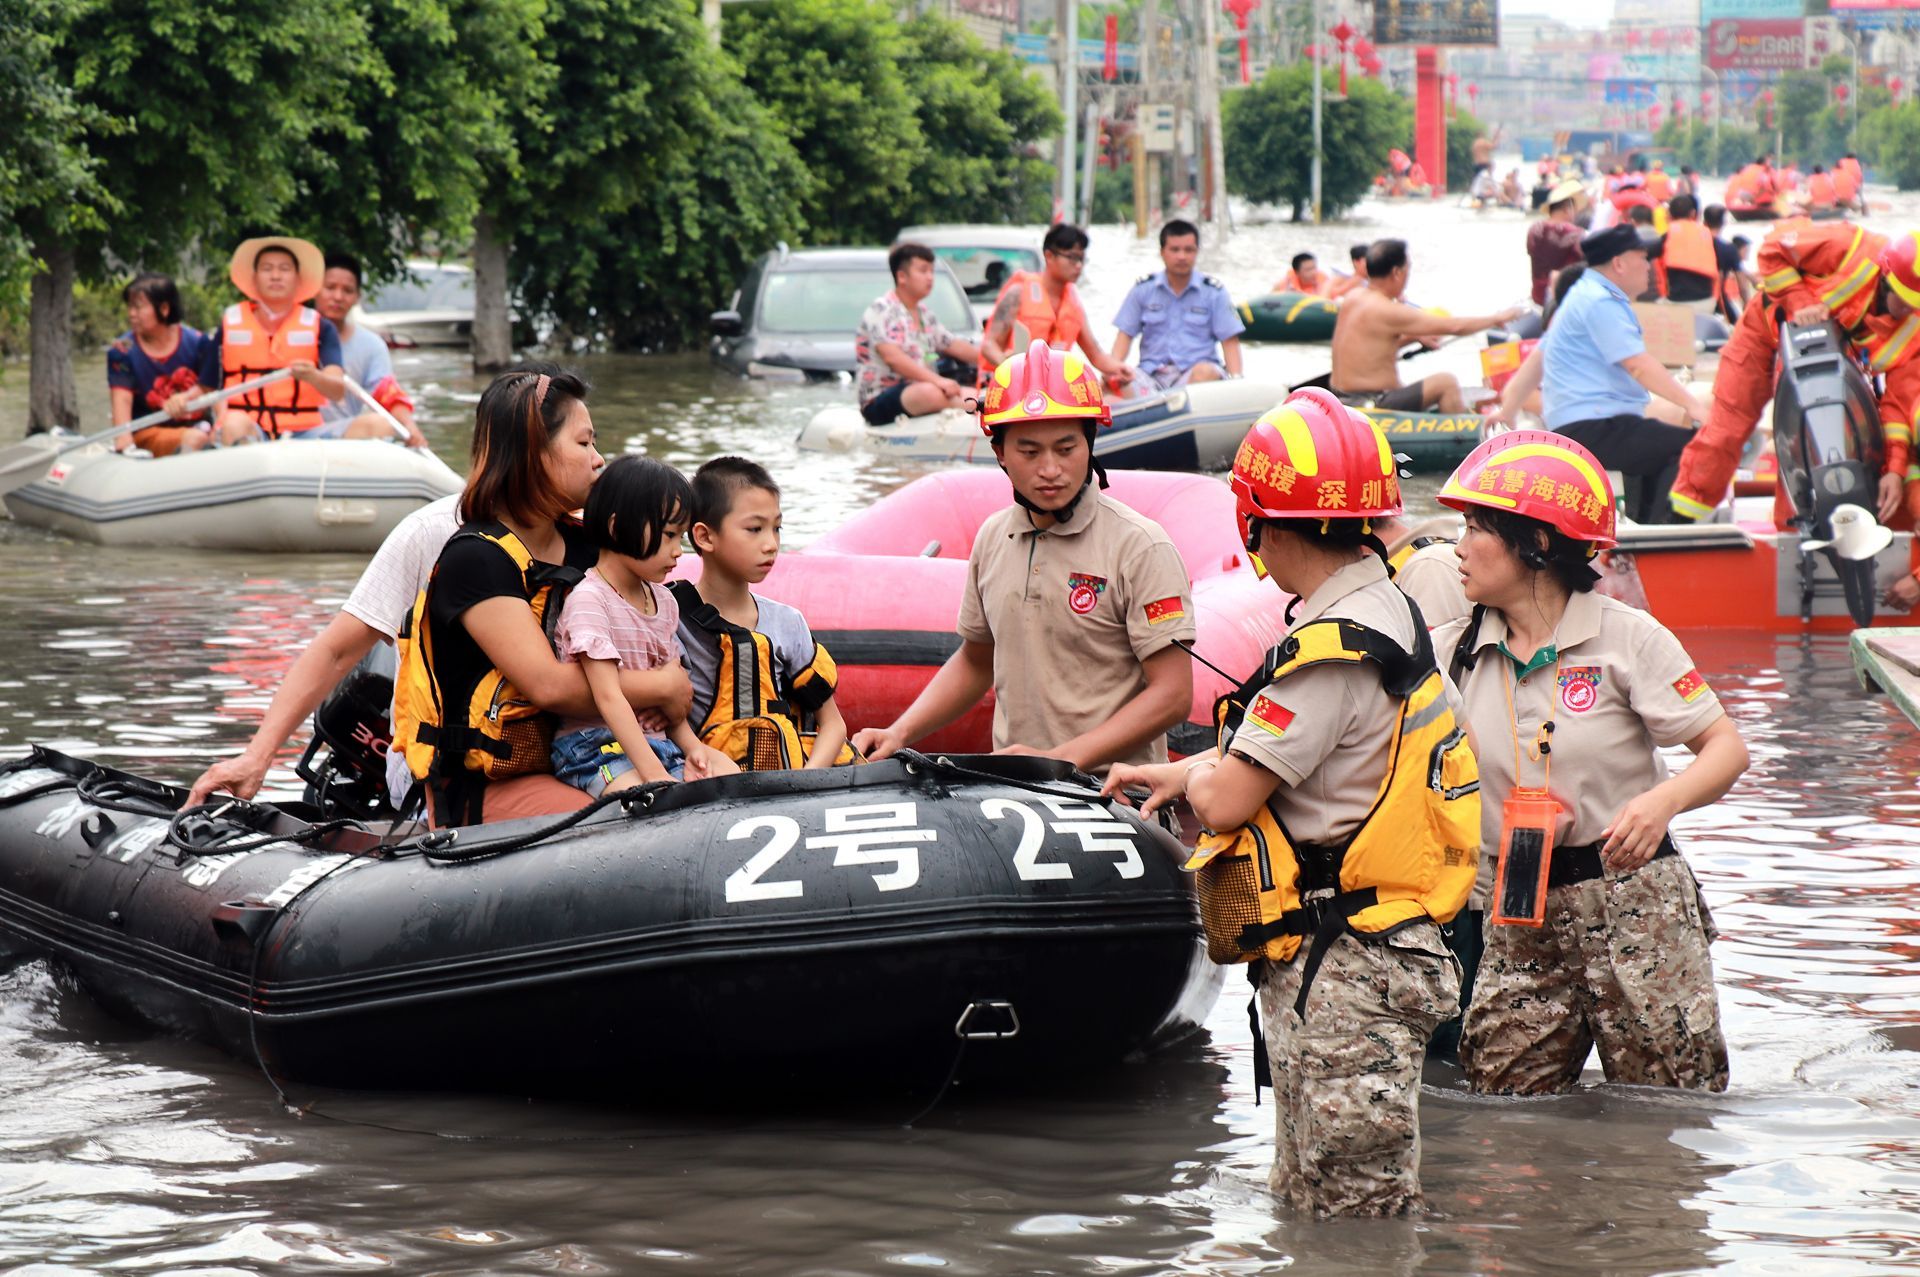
(429, 288)
(984, 271)
(832, 301)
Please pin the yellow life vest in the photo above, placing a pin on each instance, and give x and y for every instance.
(1414, 856)
(1411, 548)
(492, 731)
(758, 723)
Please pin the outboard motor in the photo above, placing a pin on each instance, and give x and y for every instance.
(1826, 430)
(353, 727)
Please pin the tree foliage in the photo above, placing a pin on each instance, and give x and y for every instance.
(1693, 141)
(1890, 140)
(50, 181)
(831, 72)
(1269, 145)
(1462, 128)
(407, 168)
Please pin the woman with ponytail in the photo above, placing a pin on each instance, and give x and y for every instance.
(1597, 933)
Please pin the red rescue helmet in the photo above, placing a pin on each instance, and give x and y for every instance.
(1043, 385)
(1312, 457)
(1543, 476)
(1900, 266)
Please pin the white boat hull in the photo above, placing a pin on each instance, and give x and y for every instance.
(1191, 428)
(335, 495)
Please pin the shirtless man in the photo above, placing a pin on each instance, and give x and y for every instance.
(1374, 324)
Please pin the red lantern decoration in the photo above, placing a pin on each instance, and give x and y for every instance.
(1110, 59)
(1706, 100)
(1840, 101)
(1453, 85)
(1240, 9)
(1657, 38)
(1341, 34)
(1766, 102)
(1893, 87)
(1653, 116)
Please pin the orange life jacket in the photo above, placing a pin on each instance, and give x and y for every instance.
(1820, 191)
(1852, 169)
(1689, 246)
(1745, 188)
(1846, 183)
(1060, 328)
(1660, 186)
(248, 349)
(1888, 344)
(1292, 284)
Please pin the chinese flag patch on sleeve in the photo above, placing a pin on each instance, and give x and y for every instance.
(1270, 714)
(1690, 687)
(1168, 609)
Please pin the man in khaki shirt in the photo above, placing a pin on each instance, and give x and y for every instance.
(1426, 566)
(1074, 603)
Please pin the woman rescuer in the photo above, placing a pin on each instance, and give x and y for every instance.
(1345, 797)
(1596, 928)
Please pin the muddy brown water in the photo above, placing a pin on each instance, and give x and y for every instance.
(122, 1151)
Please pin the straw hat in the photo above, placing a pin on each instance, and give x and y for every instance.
(313, 266)
(1568, 190)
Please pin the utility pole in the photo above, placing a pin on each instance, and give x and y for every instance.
(710, 15)
(1146, 187)
(1067, 19)
(1209, 104)
(1319, 23)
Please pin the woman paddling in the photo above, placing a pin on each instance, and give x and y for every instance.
(158, 363)
(1569, 696)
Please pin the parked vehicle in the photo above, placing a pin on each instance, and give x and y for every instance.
(982, 257)
(795, 313)
(433, 306)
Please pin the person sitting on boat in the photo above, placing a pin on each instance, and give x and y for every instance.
(377, 611)
(1188, 328)
(1569, 697)
(274, 329)
(1811, 272)
(622, 617)
(1076, 612)
(1356, 276)
(364, 360)
(1306, 277)
(1554, 244)
(1595, 373)
(479, 685)
(158, 364)
(1342, 818)
(1375, 323)
(1850, 183)
(1659, 183)
(1821, 196)
(1511, 193)
(1484, 190)
(1752, 188)
(1690, 265)
(763, 689)
(898, 342)
(1046, 304)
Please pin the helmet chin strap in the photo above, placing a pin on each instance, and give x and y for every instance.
(1064, 514)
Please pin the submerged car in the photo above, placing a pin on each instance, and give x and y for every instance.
(431, 306)
(983, 258)
(795, 314)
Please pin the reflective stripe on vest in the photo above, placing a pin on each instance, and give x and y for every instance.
(1889, 350)
(248, 350)
(1414, 855)
(1848, 291)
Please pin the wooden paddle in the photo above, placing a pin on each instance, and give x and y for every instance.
(355, 389)
(23, 462)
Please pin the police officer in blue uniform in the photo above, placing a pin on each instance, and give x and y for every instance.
(1186, 323)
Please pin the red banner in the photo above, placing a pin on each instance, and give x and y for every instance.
(1110, 68)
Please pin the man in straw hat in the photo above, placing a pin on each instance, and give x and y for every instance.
(276, 329)
(1554, 245)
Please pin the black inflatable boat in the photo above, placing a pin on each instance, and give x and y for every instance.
(786, 932)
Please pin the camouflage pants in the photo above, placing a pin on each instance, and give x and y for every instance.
(1347, 1076)
(1621, 962)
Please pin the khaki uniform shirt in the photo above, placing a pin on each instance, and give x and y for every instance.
(1623, 687)
(1431, 574)
(1072, 611)
(1329, 732)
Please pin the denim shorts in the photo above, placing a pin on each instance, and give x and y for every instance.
(588, 759)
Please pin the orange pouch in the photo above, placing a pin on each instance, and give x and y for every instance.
(1526, 852)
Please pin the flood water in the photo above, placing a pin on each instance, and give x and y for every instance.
(124, 1152)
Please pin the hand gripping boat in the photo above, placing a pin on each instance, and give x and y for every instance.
(754, 936)
(298, 495)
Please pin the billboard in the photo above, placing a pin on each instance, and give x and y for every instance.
(1756, 44)
(1436, 22)
(1715, 10)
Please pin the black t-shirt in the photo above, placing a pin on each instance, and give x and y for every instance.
(470, 571)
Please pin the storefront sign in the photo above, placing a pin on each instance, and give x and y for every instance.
(1436, 22)
(1756, 44)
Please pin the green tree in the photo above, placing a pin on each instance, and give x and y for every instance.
(1269, 148)
(647, 275)
(429, 124)
(219, 101)
(50, 186)
(1462, 128)
(1890, 139)
(832, 72)
(1799, 98)
(990, 169)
